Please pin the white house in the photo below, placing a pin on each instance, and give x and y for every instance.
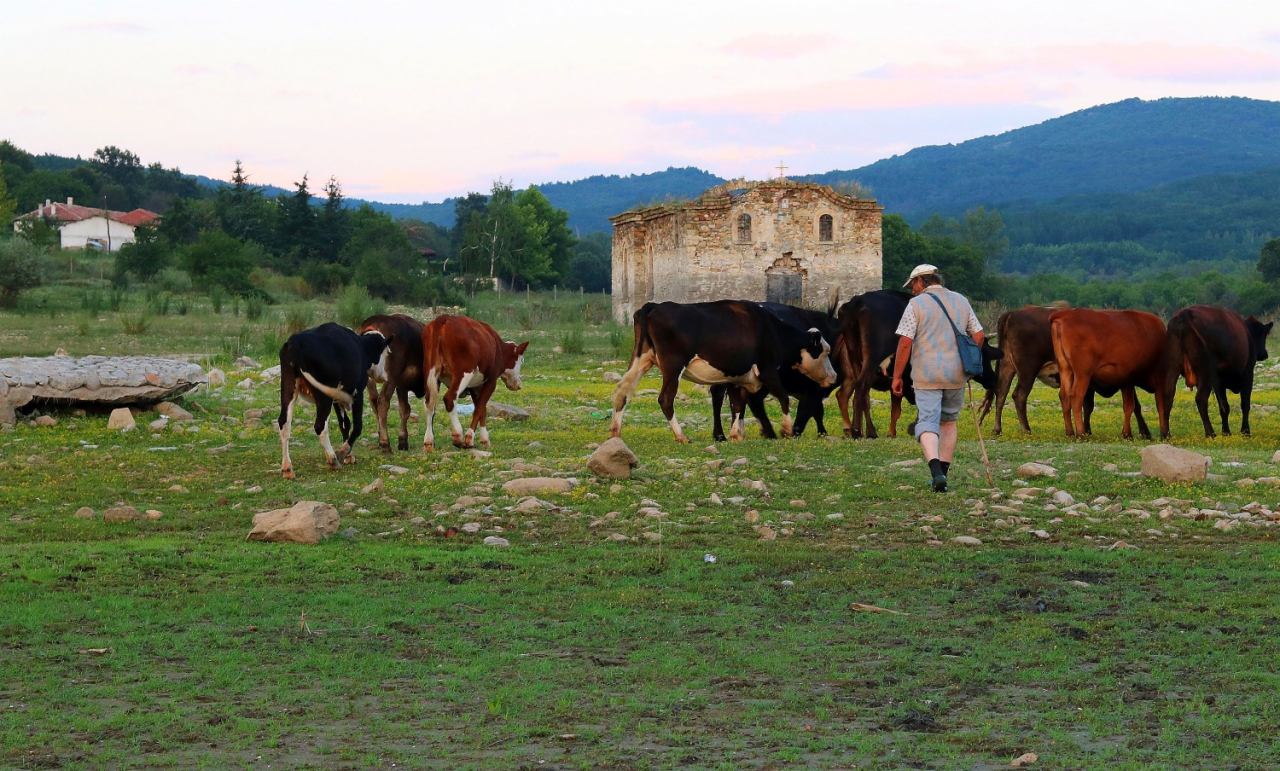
(82, 227)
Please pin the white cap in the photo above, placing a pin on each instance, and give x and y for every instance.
(921, 270)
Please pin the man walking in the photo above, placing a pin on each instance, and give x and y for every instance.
(928, 340)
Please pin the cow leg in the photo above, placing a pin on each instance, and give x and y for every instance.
(842, 401)
(1127, 399)
(1003, 384)
(627, 388)
(323, 406)
(1203, 392)
(285, 422)
(380, 402)
(479, 419)
(432, 400)
(451, 396)
(1246, 393)
(353, 429)
(864, 406)
(895, 412)
(717, 402)
(1224, 407)
(773, 386)
(671, 372)
(819, 411)
(1089, 399)
(756, 403)
(402, 394)
(737, 412)
(1073, 403)
(1143, 431)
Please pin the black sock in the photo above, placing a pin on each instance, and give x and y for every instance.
(935, 467)
(946, 467)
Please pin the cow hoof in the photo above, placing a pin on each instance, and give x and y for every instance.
(350, 460)
(428, 448)
(335, 465)
(457, 442)
(682, 439)
(486, 443)
(288, 474)
(386, 448)
(403, 445)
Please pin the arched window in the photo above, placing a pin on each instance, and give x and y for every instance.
(825, 228)
(744, 228)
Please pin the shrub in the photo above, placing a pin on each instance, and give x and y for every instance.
(217, 297)
(22, 267)
(355, 305)
(136, 325)
(298, 318)
(253, 308)
(621, 340)
(572, 341)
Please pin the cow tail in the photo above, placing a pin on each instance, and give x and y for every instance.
(643, 342)
(288, 383)
(833, 302)
(1176, 355)
(1066, 375)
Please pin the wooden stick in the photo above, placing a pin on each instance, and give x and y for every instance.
(977, 426)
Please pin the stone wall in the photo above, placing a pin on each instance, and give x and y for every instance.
(693, 252)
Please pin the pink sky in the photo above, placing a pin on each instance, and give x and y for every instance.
(412, 101)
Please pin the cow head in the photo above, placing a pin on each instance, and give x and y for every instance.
(815, 360)
(376, 348)
(990, 355)
(514, 357)
(1258, 333)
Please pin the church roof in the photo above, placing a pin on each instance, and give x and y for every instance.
(728, 193)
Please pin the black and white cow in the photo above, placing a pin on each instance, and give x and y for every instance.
(809, 394)
(723, 342)
(329, 367)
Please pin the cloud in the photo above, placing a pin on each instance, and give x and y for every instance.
(193, 69)
(1131, 61)
(115, 27)
(778, 46)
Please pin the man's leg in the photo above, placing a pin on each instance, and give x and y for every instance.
(929, 429)
(952, 402)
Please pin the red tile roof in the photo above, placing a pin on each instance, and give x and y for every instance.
(62, 212)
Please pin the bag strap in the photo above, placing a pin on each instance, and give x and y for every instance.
(948, 315)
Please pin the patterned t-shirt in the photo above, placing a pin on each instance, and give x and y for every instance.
(935, 359)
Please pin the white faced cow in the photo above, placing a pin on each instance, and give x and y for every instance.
(472, 358)
(328, 366)
(724, 342)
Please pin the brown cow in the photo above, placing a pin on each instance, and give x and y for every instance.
(1214, 350)
(399, 371)
(1108, 350)
(472, 355)
(1027, 342)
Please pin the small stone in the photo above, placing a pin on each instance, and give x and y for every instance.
(1064, 498)
(372, 487)
(254, 489)
(967, 540)
(652, 536)
(159, 424)
(740, 462)
(480, 454)
(493, 540)
(173, 411)
(907, 463)
(1120, 545)
(798, 503)
(752, 516)
(713, 450)
(615, 489)
(612, 377)
(84, 512)
(121, 513)
(244, 362)
(767, 534)
(471, 527)
(1081, 584)
(835, 516)
(535, 486)
(178, 489)
(613, 460)
(44, 421)
(1040, 533)
(617, 537)
(395, 469)
(1111, 467)
(152, 514)
(216, 378)
(1025, 759)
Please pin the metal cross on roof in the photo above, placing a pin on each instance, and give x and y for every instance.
(781, 170)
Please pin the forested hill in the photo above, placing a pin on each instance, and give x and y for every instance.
(591, 201)
(1121, 147)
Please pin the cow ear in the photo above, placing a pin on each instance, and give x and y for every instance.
(815, 339)
(520, 348)
(389, 339)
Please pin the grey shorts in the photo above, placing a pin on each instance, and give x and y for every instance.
(937, 407)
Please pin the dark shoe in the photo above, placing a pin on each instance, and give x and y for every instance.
(940, 483)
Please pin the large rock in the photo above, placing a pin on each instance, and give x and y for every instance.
(613, 460)
(506, 412)
(121, 513)
(517, 488)
(1172, 464)
(101, 380)
(8, 418)
(173, 411)
(121, 420)
(1033, 470)
(305, 522)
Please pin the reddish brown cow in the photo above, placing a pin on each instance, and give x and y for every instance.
(1107, 350)
(472, 356)
(399, 371)
(1214, 350)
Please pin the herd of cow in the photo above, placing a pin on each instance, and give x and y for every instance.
(748, 351)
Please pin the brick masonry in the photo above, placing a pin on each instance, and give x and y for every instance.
(694, 251)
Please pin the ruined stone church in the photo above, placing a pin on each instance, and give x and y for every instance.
(778, 241)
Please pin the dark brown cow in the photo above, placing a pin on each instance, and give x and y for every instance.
(1027, 342)
(473, 357)
(1215, 350)
(868, 328)
(399, 372)
(1107, 350)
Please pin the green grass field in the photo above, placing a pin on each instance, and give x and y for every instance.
(571, 650)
